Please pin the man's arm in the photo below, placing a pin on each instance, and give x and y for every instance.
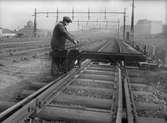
(66, 34)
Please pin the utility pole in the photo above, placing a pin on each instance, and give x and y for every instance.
(124, 24)
(97, 24)
(35, 23)
(57, 17)
(118, 26)
(78, 25)
(132, 23)
(72, 13)
(105, 17)
(88, 13)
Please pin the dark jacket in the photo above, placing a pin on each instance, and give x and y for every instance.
(59, 36)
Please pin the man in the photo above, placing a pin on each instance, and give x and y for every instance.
(59, 37)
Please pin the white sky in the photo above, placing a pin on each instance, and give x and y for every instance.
(14, 14)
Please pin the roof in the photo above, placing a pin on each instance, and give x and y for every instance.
(6, 30)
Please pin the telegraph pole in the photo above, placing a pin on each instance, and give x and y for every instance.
(72, 13)
(35, 23)
(78, 25)
(132, 22)
(118, 26)
(57, 17)
(88, 13)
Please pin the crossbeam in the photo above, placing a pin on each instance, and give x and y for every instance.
(59, 113)
(114, 57)
(84, 12)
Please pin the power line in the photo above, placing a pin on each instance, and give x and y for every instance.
(89, 13)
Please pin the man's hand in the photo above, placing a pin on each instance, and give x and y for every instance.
(76, 41)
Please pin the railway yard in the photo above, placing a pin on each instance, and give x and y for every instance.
(109, 87)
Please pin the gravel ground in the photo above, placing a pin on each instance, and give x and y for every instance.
(146, 89)
(17, 76)
(88, 93)
(150, 113)
(94, 84)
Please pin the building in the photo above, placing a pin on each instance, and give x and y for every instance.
(27, 30)
(156, 27)
(0, 32)
(165, 29)
(146, 27)
(143, 27)
(6, 33)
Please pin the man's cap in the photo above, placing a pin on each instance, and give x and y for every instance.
(67, 19)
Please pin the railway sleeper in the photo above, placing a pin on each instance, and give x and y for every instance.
(94, 84)
(101, 65)
(83, 101)
(89, 91)
(50, 113)
(98, 72)
(93, 81)
(150, 120)
(99, 68)
(97, 77)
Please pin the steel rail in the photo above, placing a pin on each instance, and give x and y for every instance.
(49, 12)
(16, 43)
(131, 98)
(120, 106)
(130, 115)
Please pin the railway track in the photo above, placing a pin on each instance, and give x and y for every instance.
(91, 91)
(24, 50)
(97, 92)
(35, 85)
(91, 96)
(147, 98)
